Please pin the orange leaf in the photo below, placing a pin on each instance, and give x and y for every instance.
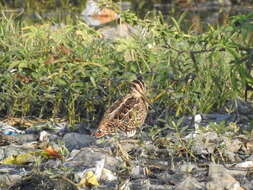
(53, 153)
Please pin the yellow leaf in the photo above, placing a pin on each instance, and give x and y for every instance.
(19, 159)
(9, 160)
(89, 180)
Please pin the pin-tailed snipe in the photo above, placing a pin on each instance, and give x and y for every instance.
(126, 114)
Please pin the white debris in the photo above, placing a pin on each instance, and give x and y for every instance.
(44, 136)
(5, 128)
(99, 168)
(246, 164)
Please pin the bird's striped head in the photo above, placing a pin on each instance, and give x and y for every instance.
(138, 86)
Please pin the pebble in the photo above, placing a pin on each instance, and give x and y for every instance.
(221, 179)
(189, 183)
(76, 141)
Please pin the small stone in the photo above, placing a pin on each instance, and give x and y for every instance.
(7, 180)
(108, 175)
(187, 167)
(205, 143)
(136, 171)
(120, 31)
(246, 164)
(87, 157)
(77, 141)
(24, 138)
(11, 174)
(41, 181)
(232, 145)
(221, 179)
(189, 183)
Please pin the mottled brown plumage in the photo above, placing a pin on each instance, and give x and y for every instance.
(127, 113)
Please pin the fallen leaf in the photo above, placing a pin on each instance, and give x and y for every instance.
(50, 152)
(89, 179)
(19, 159)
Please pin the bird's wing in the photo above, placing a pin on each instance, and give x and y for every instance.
(130, 114)
(115, 107)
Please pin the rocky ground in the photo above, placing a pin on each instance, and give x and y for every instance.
(204, 151)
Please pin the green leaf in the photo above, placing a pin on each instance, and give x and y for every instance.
(93, 81)
(60, 82)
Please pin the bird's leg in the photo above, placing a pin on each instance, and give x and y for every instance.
(121, 152)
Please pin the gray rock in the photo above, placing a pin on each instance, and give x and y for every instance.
(243, 107)
(247, 185)
(232, 147)
(175, 178)
(108, 186)
(36, 181)
(119, 31)
(250, 158)
(143, 184)
(205, 143)
(164, 177)
(190, 183)
(27, 138)
(56, 163)
(187, 167)
(88, 157)
(76, 141)
(136, 171)
(6, 180)
(11, 174)
(221, 179)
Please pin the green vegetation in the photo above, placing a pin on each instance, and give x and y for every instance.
(43, 5)
(70, 71)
